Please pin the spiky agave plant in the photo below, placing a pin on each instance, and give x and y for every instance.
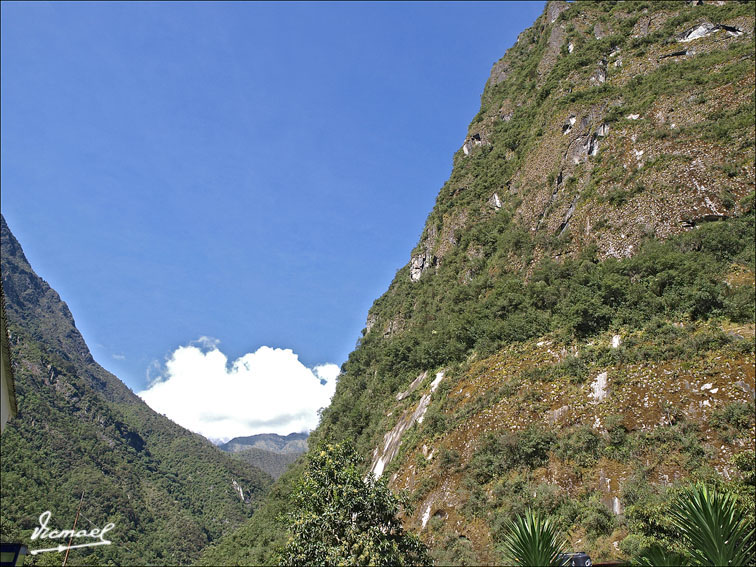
(714, 529)
(533, 540)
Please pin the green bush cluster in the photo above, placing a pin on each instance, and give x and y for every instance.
(733, 420)
(340, 517)
(502, 451)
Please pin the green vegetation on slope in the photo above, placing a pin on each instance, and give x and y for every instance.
(681, 278)
(664, 280)
(79, 430)
(578, 208)
(341, 517)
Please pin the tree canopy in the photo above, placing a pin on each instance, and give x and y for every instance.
(342, 517)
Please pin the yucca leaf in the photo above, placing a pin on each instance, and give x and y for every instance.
(533, 540)
(713, 527)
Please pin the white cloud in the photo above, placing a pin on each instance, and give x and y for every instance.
(119, 356)
(266, 391)
(152, 374)
(326, 372)
(206, 343)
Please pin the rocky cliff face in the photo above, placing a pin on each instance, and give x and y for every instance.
(574, 331)
(79, 430)
(602, 126)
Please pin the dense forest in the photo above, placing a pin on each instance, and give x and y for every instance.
(81, 436)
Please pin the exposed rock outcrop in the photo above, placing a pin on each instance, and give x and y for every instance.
(554, 8)
(601, 30)
(425, 259)
(599, 75)
(499, 73)
(599, 387)
(473, 141)
(495, 201)
(412, 387)
(382, 456)
(582, 147)
(417, 266)
(370, 322)
(569, 123)
(705, 29)
(553, 49)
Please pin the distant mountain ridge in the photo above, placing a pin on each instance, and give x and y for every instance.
(293, 443)
(275, 464)
(270, 452)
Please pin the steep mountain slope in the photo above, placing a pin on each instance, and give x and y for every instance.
(269, 452)
(575, 330)
(79, 429)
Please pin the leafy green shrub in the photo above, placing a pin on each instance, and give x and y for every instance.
(596, 519)
(657, 556)
(682, 437)
(476, 502)
(435, 421)
(738, 304)
(733, 420)
(455, 550)
(734, 414)
(618, 196)
(340, 517)
(500, 452)
(615, 427)
(582, 445)
(744, 462)
(448, 459)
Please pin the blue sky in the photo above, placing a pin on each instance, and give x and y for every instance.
(251, 172)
